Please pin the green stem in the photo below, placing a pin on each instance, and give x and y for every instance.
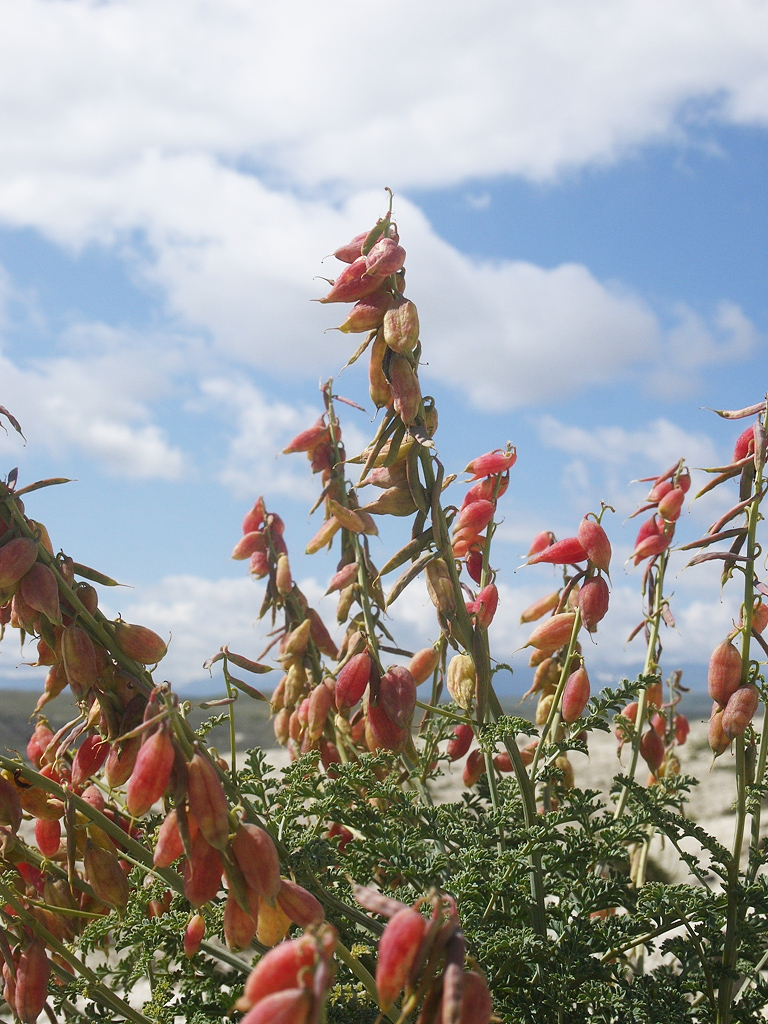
(554, 711)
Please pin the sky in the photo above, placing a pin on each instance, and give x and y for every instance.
(580, 189)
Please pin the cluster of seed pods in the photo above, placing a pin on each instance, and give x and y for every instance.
(734, 700)
(667, 728)
(665, 498)
(426, 956)
(289, 983)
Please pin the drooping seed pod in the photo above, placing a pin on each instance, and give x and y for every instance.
(474, 767)
(404, 387)
(352, 283)
(423, 664)
(202, 872)
(476, 1005)
(724, 672)
(367, 313)
(546, 677)
(194, 935)
(439, 585)
(503, 762)
(79, 658)
(652, 749)
(485, 605)
(300, 905)
(397, 695)
(378, 385)
(543, 708)
(90, 756)
(461, 742)
(272, 925)
(256, 856)
(17, 557)
(352, 250)
(10, 805)
(461, 680)
(32, 974)
(475, 516)
(385, 257)
(740, 710)
(401, 325)
(718, 740)
(682, 728)
(151, 772)
(382, 733)
(169, 844)
(38, 742)
(671, 504)
(593, 602)
(651, 540)
(239, 926)
(40, 590)
(398, 947)
(284, 967)
(320, 701)
(140, 643)
(594, 540)
(48, 836)
(654, 694)
(249, 544)
(553, 633)
(575, 696)
(289, 1006)
(105, 875)
(208, 801)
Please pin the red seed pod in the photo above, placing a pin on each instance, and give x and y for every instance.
(652, 749)
(80, 662)
(654, 694)
(367, 314)
(40, 590)
(45, 654)
(121, 761)
(400, 325)
(352, 250)
(485, 605)
(682, 728)
(284, 967)
(91, 755)
(250, 544)
(474, 767)
(38, 742)
(503, 762)
(671, 504)
(594, 597)
(329, 756)
(492, 463)
(385, 257)
(202, 872)
(461, 742)
(740, 710)
(194, 935)
(169, 845)
(541, 541)
(289, 1006)
(17, 557)
(9, 986)
(398, 947)
(319, 705)
(32, 974)
(310, 438)
(382, 733)
(343, 578)
(553, 633)
(208, 801)
(745, 443)
(719, 741)
(540, 607)
(474, 517)
(659, 723)
(397, 695)
(140, 643)
(256, 856)
(575, 696)
(352, 283)
(568, 551)
(724, 673)
(300, 905)
(651, 540)
(48, 836)
(476, 1003)
(378, 385)
(423, 664)
(239, 927)
(151, 772)
(93, 796)
(594, 540)
(107, 878)
(760, 617)
(474, 563)
(352, 681)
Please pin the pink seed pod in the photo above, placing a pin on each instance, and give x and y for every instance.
(38, 743)
(492, 463)
(503, 762)
(739, 711)
(151, 772)
(719, 741)
(308, 439)
(194, 935)
(594, 540)
(299, 905)
(382, 733)
(568, 551)
(352, 283)
(474, 564)
(671, 504)
(352, 250)
(202, 872)
(659, 489)
(593, 602)
(651, 540)
(724, 673)
(476, 1004)
(287, 966)
(404, 387)
(540, 607)
(239, 927)
(352, 681)
(401, 325)
(17, 557)
(398, 947)
(343, 578)
(541, 541)
(489, 488)
(423, 664)
(41, 591)
(289, 1006)
(682, 728)
(367, 314)
(461, 742)
(652, 749)
(485, 604)
(397, 695)
(249, 545)
(256, 856)
(90, 756)
(474, 517)
(48, 836)
(254, 518)
(659, 723)
(32, 973)
(575, 696)
(474, 767)
(386, 257)
(759, 617)
(553, 633)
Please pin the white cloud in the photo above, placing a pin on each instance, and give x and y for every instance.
(310, 93)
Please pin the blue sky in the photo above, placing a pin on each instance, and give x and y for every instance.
(581, 192)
